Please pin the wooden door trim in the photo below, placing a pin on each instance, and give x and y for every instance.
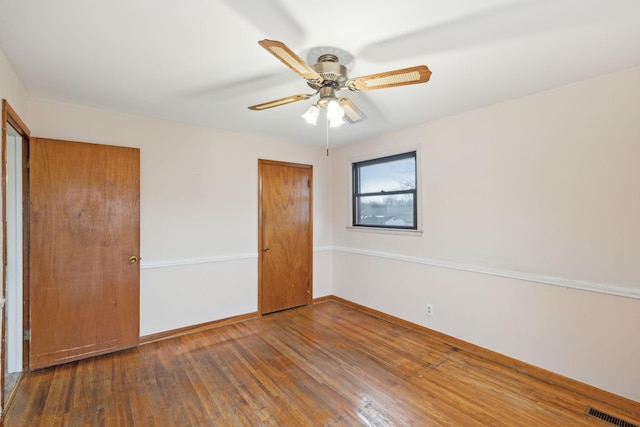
(261, 164)
(10, 117)
(26, 295)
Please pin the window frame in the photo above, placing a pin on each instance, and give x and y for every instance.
(356, 195)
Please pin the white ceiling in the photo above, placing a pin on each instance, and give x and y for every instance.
(198, 61)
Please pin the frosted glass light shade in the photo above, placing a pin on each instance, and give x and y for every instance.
(311, 115)
(336, 122)
(334, 111)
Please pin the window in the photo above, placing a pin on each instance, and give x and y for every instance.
(384, 192)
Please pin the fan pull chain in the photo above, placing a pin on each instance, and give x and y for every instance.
(327, 137)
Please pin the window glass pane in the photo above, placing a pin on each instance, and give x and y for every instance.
(393, 210)
(389, 176)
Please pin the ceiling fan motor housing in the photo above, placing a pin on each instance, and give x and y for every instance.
(333, 73)
(327, 94)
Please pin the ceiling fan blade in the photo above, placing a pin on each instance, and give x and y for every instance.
(405, 76)
(281, 101)
(351, 113)
(290, 59)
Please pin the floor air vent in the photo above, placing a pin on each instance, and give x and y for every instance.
(608, 418)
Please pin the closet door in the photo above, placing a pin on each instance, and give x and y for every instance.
(285, 235)
(84, 248)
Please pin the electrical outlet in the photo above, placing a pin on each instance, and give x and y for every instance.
(429, 309)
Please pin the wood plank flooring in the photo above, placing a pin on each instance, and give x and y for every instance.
(321, 365)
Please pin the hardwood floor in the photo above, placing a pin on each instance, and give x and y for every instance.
(321, 365)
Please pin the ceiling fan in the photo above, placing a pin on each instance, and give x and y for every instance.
(328, 76)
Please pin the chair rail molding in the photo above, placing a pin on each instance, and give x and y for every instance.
(147, 265)
(529, 277)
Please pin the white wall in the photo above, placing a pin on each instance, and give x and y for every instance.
(199, 205)
(11, 88)
(531, 231)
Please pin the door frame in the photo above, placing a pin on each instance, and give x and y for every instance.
(10, 117)
(261, 163)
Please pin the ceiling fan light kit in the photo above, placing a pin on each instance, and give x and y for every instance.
(336, 122)
(311, 115)
(328, 76)
(335, 113)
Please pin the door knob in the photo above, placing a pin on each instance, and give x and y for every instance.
(133, 259)
(267, 250)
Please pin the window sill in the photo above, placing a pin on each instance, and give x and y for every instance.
(376, 230)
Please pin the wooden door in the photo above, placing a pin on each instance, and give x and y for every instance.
(84, 245)
(285, 235)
